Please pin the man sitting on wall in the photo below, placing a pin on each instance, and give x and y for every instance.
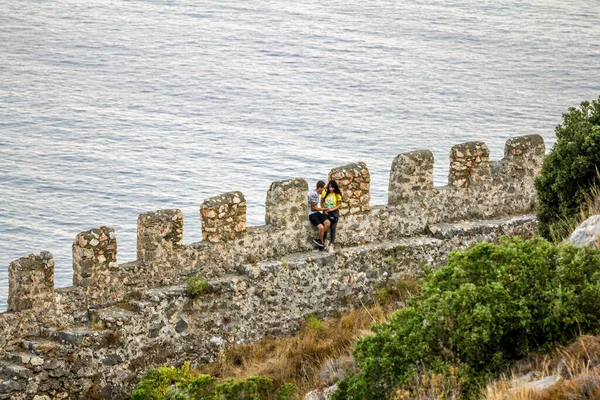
(318, 219)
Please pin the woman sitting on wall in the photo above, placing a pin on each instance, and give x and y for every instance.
(331, 201)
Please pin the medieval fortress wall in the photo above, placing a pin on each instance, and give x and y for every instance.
(97, 336)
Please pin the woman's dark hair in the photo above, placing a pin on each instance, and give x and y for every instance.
(334, 185)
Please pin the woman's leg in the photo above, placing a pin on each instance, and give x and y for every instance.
(332, 230)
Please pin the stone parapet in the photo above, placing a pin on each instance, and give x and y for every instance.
(159, 234)
(414, 204)
(354, 181)
(286, 204)
(223, 217)
(30, 278)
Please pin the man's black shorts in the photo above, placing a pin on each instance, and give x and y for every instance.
(317, 219)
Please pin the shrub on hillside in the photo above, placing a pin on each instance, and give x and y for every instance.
(182, 384)
(569, 170)
(488, 306)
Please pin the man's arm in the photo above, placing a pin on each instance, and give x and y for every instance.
(313, 206)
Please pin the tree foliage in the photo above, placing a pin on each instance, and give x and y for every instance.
(488, 306)
(569, 170)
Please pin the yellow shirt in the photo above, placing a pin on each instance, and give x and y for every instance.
(331, 200)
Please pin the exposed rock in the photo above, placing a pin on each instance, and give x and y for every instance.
(315, 395)
(10, 386)
(335, 370)
(525, 384)
(321, 394)
(588, 233)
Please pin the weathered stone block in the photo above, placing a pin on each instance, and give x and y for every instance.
(223, 217)
(29, 279)
(469, 165)
(411, 175)
(286, 203)
(159, 234)
(354, 181)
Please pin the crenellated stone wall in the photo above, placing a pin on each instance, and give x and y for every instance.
(118, 319)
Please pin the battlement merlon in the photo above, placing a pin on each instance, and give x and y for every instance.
(95, 265)
(159, 234)
(354, 180)
(29, 279)
(523, 156)
(286, 204)
(223, 217)
(469, 165)
(411, 175)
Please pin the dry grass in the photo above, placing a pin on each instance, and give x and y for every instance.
(574, 374)
(590, 206)
(319, 354)
(430, 386)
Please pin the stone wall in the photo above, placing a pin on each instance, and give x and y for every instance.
(103, 353)
(252, 271)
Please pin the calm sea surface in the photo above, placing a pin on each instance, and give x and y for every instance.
(112, 108)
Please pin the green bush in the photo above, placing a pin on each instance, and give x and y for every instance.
(182, 384)
(490, 305)
(569, 170)
(161, 383)
(196, 285)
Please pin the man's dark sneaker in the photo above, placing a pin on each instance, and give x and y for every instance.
(318, 243)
